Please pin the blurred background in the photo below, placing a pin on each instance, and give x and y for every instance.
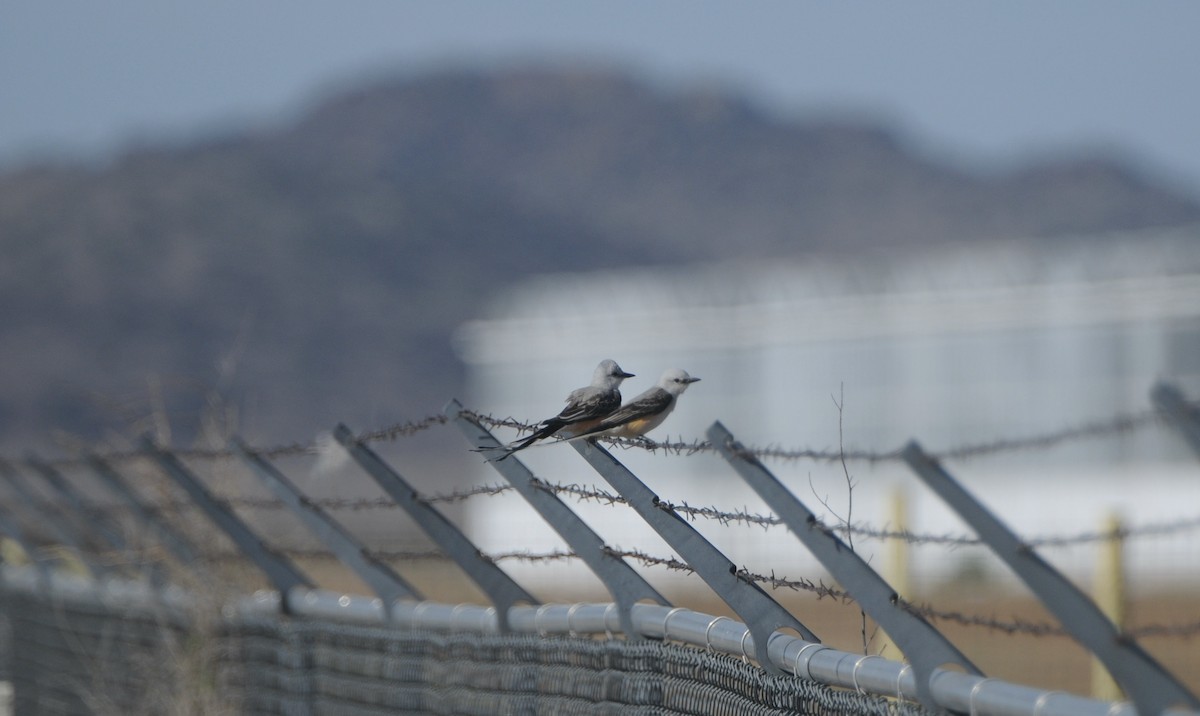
(857, 223)
(961, 224)
(291, 208)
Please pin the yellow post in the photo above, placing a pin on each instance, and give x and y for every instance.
(895, 567)
(1109, 593)
(11, 552)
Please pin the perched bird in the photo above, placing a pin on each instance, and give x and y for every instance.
(647, 411)
(586, 407)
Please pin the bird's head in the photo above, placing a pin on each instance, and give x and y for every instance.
(676, 380)
(609, 373)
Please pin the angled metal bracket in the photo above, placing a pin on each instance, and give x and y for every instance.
(390, 586)
(924, 646)
(762, 614)
(61, 527)
(1184, 416)
(170, 538)
(626, 586)
(1147, 683)
(493, 581)
(283, 575)
(103, 526)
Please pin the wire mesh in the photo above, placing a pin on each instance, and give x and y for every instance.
(88, 655)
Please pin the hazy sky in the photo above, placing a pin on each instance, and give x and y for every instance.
(995, 82)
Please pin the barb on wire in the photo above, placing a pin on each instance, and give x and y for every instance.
(402, 430)
(461, 495)
(1016, 625)
(525, 556)
(1013, 626)
(674, 563)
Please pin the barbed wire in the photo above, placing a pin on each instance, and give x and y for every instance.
(595, 494)
(1117, 424)
(1123, 423)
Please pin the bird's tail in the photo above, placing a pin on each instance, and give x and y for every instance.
(547, 429)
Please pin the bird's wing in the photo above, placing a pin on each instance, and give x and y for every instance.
(651, 402)
(588, 404)
(584, 405)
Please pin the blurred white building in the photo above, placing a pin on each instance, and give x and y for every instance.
(951, 346)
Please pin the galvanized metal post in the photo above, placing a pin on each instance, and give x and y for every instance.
(170, 538)
(762, 614)
(1147, 683)
(284, 575)
(493, 581)
(1183, 415)
(925, 647)
(626, 586)
(389, 585)
(60, 525)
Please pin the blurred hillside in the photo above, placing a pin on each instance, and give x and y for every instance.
(315, 272)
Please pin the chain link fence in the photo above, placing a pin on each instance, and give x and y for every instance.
(82, 648)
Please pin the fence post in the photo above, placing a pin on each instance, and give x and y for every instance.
(1151, 687)
(896, 569)
(761, 614)
(1109, 588)
(626, 586)
(924, 646)
(493, 581)
(390, 586)
(283, 575)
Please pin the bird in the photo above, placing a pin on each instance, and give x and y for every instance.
(585, 407)
(645, 412)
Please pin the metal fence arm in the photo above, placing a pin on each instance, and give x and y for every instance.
(762, 614)
(925, 647)
(1183, 415)
(385, 582)
(102, 525)
(500, 588)
(278, 569)
(62, 528)
(1147, 683)
(626, 586)
(170, 538)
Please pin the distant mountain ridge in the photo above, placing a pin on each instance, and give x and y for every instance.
(698, 170)
(315, 272)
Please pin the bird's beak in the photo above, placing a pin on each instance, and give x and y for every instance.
(692, 379)
(623, 374)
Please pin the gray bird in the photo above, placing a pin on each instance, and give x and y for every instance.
(645, 412)
(586, 407)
